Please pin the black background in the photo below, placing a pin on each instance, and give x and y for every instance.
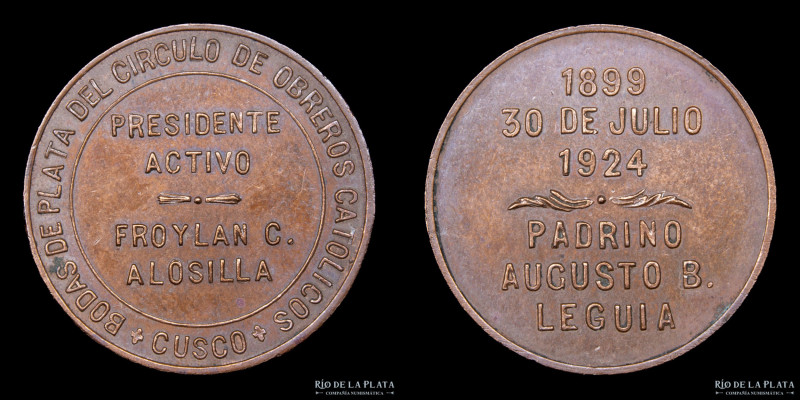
(400, 69)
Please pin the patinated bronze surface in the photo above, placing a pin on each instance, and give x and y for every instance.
(199, 199)
(600, 199)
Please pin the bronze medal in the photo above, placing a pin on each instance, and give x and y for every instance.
(600, 199)
(199, 199)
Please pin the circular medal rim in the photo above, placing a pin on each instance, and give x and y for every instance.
(431, 223)
(369, 200)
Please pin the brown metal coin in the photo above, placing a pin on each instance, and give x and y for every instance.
(199, 199)
(600, 199)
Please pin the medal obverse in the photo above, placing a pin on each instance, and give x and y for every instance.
(199, 199)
